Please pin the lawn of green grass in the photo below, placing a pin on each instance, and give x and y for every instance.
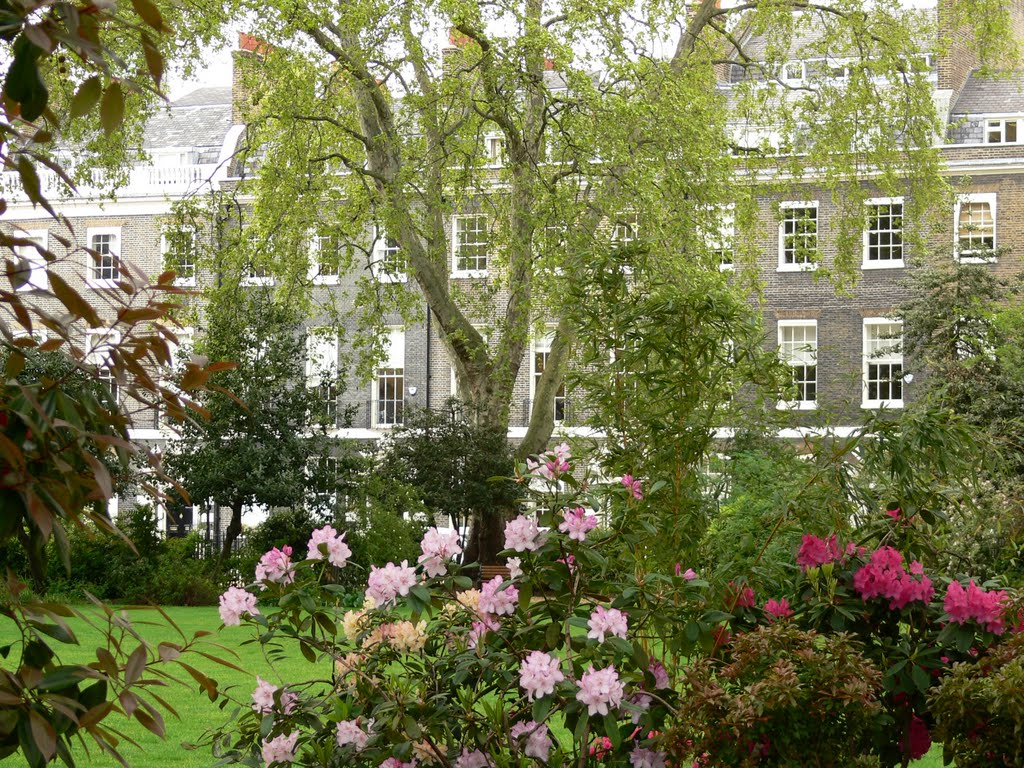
(197, 713)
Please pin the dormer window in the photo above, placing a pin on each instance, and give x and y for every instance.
(1003, 131)
(793, 72)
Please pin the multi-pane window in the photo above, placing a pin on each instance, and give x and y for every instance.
(798, 348)
(322, 373)
(541, 353)
(388, 260)
(99, 347)
(976, 225)
(389, 387)
(793, 72)
(1004, 131)
(625, 229)
(105, 258)
(722, 242)
(256, 274)
(883, 362)
(32, 265)
(471, 244)
(326, 258)
(798, 236)
(179, 248)
(883, 238)
(495, 150)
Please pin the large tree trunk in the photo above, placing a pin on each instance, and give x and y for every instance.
(232, 533)
(35, 548)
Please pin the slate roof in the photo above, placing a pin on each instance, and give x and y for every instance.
(1003, 93)
(200, 119)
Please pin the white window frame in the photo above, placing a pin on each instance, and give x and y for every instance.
(322, 367)
(785, 74)
(890, 358)
(788, 360)
(625, 228)
(788, 205)
(456, 243)
(38, 279)
(542, 345)
(90, 262)
(95, 354)
(889, 263)
(723, 235)
(970, 257)
(999, 125)
(381, 256)
(494, 148)
(395, 354)
(315, 275)
(185, 282)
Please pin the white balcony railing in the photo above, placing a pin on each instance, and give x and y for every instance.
(143, 181)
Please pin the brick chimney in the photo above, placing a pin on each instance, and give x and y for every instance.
(251, 50)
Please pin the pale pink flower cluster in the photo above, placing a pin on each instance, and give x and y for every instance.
(474, 759)
(538, 739)
(384, 585)
(481, 628)
(263, 698)
(974, 603)
(600, 690)
(777, 609)
(609, 621)
(640, 700)
(515, 567)
(437, 548)
(577, 523)
(641, 757)
(234, 603)
(522, 534)
(338, 552)
(275, 566)
(550, 465)
(657, 669)
(349, 732)
(884, 576)
(633, 486)
(538, 674)
(280, 749)
(497, 601)
(394, 762)
(690, 574)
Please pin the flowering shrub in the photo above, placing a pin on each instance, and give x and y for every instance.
(570, 660)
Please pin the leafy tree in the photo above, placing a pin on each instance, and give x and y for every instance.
(557, 132)
(264, 439)
(460, 469)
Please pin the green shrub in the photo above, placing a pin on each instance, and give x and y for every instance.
(181, 578)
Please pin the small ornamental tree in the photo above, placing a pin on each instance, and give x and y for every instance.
(569, 660)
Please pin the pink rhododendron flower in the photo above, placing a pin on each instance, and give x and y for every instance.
(974, 603)
(815, 552)
(478, 630)
(606, 622)
(263, 698)
(741, 597)
(884, 576)
(690, 574)
(600, 689)
(641, 757)
(657, 669)
(633, 485)
(576, 522)
(437, 548)
(601, 748)
(280, 749)
(474, 759)
(515, 567)
(538, 739)
(778, 609)
(349, 732)
(384, 585)
(394, 762)
(641, 700)
(497, 601)
(338, 552)
(522, 534)
(275, 566)
(234, 603)
(538, 674)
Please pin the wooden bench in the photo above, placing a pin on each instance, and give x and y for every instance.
(488, 572)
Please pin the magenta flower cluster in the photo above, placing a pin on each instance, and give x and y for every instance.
(550, 465)
(815, 552)
(975, 604)
(885, 577)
